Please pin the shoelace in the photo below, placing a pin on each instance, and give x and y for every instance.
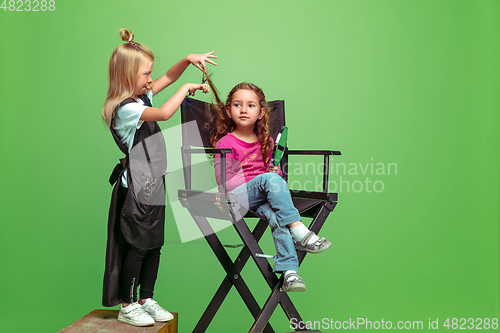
(156, 307)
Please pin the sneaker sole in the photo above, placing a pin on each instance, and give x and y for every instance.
(296, 287)
(133, 323)
(164, 319)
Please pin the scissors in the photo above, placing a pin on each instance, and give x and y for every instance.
(203, 81)
(205, 78)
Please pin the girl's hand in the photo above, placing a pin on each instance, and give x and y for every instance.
(192, 87)
(271, 168)
(198, 60)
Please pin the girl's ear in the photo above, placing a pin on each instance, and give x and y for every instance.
(228, 112)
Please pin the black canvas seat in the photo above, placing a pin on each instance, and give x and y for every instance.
(222, 205)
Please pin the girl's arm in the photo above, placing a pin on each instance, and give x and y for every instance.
(168, 109)
(198, 60)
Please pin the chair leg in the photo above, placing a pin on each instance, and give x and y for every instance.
(242, 259)
(278, 297)
(271, 278)
(233, 277)
(214, 306)
(233, 270)
(267, 310)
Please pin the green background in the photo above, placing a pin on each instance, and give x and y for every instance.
(414, 83)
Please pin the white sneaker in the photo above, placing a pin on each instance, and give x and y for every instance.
(156, 311)
(135, 315)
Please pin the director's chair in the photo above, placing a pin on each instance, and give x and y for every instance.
(222, 205)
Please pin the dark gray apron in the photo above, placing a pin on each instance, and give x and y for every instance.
(137, 213)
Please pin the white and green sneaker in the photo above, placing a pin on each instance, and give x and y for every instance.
(134, 315)
(156, 311)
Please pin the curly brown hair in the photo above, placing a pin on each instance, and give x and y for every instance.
(221, 124)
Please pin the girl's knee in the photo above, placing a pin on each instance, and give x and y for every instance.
(276, 182)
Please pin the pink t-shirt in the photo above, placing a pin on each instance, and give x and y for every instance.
(243, 164)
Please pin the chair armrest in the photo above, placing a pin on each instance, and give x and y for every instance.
(326, 161)
(208, 151)
(187, 160)
(313, 152)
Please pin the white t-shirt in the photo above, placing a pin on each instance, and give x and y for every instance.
(126, 122)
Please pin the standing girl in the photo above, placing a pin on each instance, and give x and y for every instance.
(137, 211)
(242, 125)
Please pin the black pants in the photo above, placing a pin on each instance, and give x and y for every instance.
(140, 267)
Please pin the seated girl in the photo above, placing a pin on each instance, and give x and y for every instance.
(242, 125)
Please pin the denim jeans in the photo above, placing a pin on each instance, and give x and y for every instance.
(268, 195)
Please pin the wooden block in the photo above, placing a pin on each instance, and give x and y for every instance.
(105, 321)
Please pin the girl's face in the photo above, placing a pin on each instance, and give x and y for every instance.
(144, 81)
(245, 108)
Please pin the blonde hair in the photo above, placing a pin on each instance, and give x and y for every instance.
(124, 66)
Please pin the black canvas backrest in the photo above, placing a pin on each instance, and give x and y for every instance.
(193, 109)
(276, 117)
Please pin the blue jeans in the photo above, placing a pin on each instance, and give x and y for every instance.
(268, 195)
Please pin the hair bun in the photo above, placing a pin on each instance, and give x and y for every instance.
(126, 35)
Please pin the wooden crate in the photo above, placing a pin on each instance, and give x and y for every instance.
(104, 321)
